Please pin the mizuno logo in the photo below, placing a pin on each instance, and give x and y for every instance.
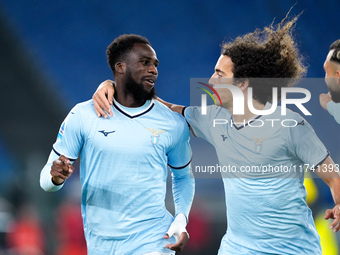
(106, 133)
(224, 137)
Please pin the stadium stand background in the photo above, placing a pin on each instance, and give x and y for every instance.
(52, 56)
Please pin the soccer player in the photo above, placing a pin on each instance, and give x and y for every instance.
(331, 101)
(267, 211)
(123, 161)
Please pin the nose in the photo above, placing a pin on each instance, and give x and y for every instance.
(153, 70)
(212, 79)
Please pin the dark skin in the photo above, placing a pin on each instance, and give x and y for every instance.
(142, 64)
(61, 170)
(179, 246)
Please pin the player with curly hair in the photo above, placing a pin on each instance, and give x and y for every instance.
(267, 211)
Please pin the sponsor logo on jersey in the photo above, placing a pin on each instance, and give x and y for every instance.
(302, 123)
(105, 133)
(155, 135)
(224, 137)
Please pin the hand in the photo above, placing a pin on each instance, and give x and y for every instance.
(177, 229)
(61, 170)
(324, 99)
(103, 97)
(334, 214)
(179, 245)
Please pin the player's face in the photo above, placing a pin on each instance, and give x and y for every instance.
(223, 75)
(142, 65)
(137, 90)
(332, 77)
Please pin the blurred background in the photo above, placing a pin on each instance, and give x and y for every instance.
(52, 56)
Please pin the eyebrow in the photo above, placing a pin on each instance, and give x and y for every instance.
(156, 60)
(219, 71)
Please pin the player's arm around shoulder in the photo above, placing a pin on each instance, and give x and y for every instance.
(329, 172)
(174, 107)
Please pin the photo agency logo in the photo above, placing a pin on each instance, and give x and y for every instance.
(204, 97)
(239, 100)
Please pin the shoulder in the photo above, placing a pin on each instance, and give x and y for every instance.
(85, 108)
(294, 123)
(212, 111)
(167, 113)
(173, 120)
(290, 115)
(84, 105)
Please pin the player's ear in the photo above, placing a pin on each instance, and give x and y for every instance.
(120, 67)
(338, 76)
(244, 84)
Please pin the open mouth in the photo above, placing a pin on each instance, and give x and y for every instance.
(150, 81)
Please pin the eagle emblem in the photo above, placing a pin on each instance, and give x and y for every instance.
(155, 135)
(258, 146)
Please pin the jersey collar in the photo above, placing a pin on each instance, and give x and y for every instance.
(134, 112)
(239, 126)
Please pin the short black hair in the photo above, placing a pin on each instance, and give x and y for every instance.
(121, 46)
(336, 53)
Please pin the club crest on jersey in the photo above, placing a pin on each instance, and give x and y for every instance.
(155, 135)
(258, 146)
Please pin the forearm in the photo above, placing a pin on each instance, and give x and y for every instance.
(46, 180)
(173, 107)
(334, 186)
(330, 176)
(46, 177)
(183, 189)
(164, 102)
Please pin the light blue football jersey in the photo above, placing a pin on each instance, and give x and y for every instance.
(123, 172)
(265, 198)
(334, 110)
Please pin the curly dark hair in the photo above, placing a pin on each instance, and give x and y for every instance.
(336, 53)
(121, 46)
(267, 53)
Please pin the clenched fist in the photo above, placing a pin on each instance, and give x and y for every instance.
(61, 170)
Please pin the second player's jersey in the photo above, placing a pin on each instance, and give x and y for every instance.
(265, 197)
(334, 110)
(123, 164)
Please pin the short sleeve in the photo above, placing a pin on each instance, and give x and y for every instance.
(306, 145)
(179, 155)
(69, 141)
(201, 123)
